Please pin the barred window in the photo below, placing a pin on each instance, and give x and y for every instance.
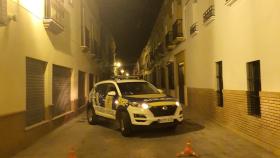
(254, 87)
(220, 85)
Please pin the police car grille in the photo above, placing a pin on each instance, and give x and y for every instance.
(163, 110)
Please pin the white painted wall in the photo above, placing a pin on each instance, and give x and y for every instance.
(27, 37)
(243, 32)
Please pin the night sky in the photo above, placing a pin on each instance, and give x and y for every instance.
(131, 22)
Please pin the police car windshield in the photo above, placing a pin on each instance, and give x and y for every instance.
(137, 88)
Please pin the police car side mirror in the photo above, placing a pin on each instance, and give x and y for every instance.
(160, 91)
(112, 93)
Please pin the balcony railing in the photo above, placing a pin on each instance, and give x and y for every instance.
(178, 31)
(169, 40)
(93, 48)
(194, 29)
(54, 15)
(209, 15)
(229, 2)
(160, 51)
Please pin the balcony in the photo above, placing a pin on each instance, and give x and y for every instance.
(194, 29)
(160, 51)
(54, 15)
(3, 12)
(229, 2)
(93, 49)
(169, 41)
(152, 60)
(209, 15)
(85, 39)
(178, 31)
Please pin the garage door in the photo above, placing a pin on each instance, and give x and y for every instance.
(61, 89)
(35, 93)
(81, 89)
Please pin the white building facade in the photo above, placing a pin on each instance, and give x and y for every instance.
(220, 58)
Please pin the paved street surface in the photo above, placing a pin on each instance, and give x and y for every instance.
(105, 141)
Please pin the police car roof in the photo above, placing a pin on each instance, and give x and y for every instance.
(129, 80)
(121, 81)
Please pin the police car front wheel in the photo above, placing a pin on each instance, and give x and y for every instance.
(125, 124)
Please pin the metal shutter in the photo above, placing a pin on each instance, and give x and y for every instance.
(81, 89)
(35, 92)
(61, 89)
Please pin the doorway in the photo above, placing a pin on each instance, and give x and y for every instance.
(181, 82)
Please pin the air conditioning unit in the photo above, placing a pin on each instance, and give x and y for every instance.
(3, 12)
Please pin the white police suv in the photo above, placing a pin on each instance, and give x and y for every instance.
(133, 103)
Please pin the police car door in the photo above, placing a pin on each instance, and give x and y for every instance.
(110, 98)
(99, 99)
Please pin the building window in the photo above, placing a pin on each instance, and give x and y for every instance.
(54, 15)
(220, 85)
(254, 87)
(170, 67)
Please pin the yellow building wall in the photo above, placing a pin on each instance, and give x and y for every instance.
(27, 37)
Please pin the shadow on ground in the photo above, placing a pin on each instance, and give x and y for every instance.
(187, 126)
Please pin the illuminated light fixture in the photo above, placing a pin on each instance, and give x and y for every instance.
(122, 71)
(118, 64)
(35, 7)
(145, 106)
(177, 103)
(116, 102)
(127, 74)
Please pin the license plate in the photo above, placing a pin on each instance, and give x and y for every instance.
(166, 120)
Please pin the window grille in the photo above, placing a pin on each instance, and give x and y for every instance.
(254, 87)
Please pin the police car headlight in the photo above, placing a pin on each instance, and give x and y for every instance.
(178, 103)
(138, 105)
(145, 106)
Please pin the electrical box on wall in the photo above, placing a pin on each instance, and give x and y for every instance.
(3, 12)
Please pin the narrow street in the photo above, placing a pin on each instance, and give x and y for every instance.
(209, 140)
(207, 68)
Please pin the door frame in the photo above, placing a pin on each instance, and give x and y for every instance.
(179, 60)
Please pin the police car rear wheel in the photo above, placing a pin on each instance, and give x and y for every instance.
(125, 124)
(91, 116)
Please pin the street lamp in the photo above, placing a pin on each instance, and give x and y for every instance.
(118, 64)
(122, 71)
(127, 74)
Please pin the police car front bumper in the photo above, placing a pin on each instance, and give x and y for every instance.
(145, 117)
